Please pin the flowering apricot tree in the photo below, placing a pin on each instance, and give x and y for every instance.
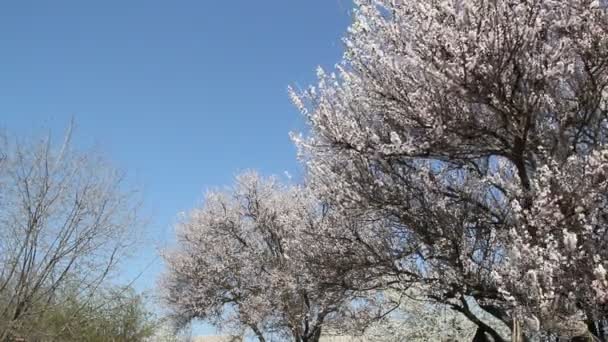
(478, 129)
(239, 264)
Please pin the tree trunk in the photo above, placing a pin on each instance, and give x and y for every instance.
(516, 333)
(482, 327)
(597, 328)
(481, 336)
(257, 333)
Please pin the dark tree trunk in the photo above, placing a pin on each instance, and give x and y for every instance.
(481, 336)
(597, 328)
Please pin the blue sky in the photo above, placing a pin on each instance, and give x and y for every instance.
(181, 94)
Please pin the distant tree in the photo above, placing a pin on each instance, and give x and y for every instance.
(65, 218)
(479, 130)
(164, 331)
(237, 265)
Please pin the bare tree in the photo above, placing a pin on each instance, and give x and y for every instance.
(478, 129)
(65, 218)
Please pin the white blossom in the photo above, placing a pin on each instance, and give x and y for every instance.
(478, 131)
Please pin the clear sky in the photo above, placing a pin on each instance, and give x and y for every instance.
(181, 94)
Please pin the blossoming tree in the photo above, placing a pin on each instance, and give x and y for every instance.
(238, 264)
(478, 129)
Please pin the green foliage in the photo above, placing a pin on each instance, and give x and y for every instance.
(115, 314)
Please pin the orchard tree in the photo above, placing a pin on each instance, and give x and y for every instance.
(478, 130)
(238, 265)
(65, 218)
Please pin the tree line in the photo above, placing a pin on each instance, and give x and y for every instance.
(455, 188)
(456, 154)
